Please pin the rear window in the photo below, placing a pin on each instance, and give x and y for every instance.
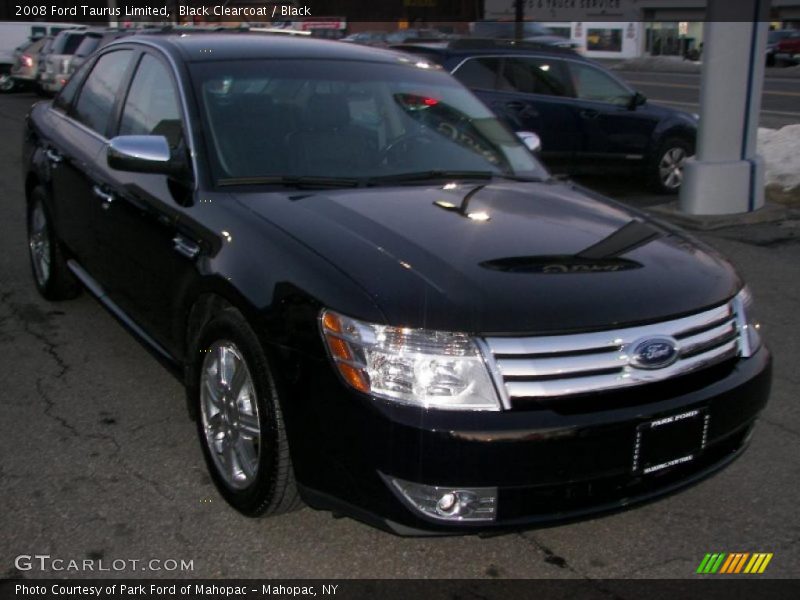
(67, 43)
(88, 45)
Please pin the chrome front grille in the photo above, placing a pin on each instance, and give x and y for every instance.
(563, 365)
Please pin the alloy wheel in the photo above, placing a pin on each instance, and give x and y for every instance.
(670, 168)
(229, 412)
(39, 244)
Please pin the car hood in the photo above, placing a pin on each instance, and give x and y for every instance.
(503, 257)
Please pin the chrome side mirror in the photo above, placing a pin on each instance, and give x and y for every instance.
(532, 141)
(141, 154)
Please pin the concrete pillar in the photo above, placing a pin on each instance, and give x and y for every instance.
(726, 176)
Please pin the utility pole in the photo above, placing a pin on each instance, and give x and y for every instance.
(519, 17)
(727, 176)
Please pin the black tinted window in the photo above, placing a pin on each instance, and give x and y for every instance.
(152, 104)
(480, 73)
(591, 83)
(536, 76)
(67, 43)
(96, 99)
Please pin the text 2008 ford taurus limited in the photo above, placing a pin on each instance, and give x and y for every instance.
(379, 302)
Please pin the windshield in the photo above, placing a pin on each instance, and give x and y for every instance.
(343, 119)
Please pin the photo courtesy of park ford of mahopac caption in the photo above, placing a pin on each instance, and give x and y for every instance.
(402, 299)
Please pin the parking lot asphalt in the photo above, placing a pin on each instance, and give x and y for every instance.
(99, 460)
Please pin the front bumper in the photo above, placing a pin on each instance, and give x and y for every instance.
(549, 463)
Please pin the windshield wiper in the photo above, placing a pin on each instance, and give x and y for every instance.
(441, 174)
(305, 181)
(428, 175)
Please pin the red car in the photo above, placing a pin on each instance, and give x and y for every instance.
(789, 47)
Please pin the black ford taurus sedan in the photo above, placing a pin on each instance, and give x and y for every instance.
(379, 302)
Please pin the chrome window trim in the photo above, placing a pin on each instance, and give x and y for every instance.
(122, 43)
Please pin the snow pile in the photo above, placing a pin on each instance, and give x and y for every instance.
(673, 64)
(781, 151)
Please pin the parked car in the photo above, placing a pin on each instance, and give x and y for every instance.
(531, 32)
(773, 37)
(13, 34)
(23, 72)
(57, 62)
(379, 302)
(589, 121)
(414, 33)
(368, 38)
(93, 40)
(789, 46)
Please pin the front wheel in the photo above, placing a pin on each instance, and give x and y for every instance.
(240, 423)
(666, 171)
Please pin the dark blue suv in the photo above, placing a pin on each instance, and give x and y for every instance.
(588, 120)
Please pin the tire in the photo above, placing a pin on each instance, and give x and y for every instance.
(51, 275)
(665, 172)
(252, 472)
(7, 84)
(770, 60)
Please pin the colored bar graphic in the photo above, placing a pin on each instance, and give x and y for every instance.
(740, 564)
(734, 563)
(727, 564)
(703, 563)
(764, 564)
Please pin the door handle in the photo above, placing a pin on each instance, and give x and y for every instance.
(589, 113)
(53, 156)
(186, 247)
(106, 197)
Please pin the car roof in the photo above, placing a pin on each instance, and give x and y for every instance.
(214, 46)
(475, 47)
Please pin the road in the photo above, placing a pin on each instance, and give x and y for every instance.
(780, 100)
(98, 459)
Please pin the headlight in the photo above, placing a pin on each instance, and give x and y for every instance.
(747, 322)
(430, 369)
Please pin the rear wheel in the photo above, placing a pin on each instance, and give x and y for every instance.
(7, 84)
(666, 171)
(53, 278)
(240, 423)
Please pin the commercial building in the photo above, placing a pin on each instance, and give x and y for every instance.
(630, 28)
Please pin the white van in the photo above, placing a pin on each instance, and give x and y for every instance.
(15, 33)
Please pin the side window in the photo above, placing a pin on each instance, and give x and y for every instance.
(479, 73)
(151, 107)
(537, 76)
(67, 94)
(96, 100)
(591, 83)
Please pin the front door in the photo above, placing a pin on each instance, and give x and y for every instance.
(150, 254)
(614, 133)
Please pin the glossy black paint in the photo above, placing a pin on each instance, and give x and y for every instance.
(391, 255)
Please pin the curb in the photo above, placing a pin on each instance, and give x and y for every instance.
(769, 213)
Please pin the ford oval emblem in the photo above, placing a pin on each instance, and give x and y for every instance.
(654, 352)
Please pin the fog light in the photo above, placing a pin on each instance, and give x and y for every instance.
(447, 503)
